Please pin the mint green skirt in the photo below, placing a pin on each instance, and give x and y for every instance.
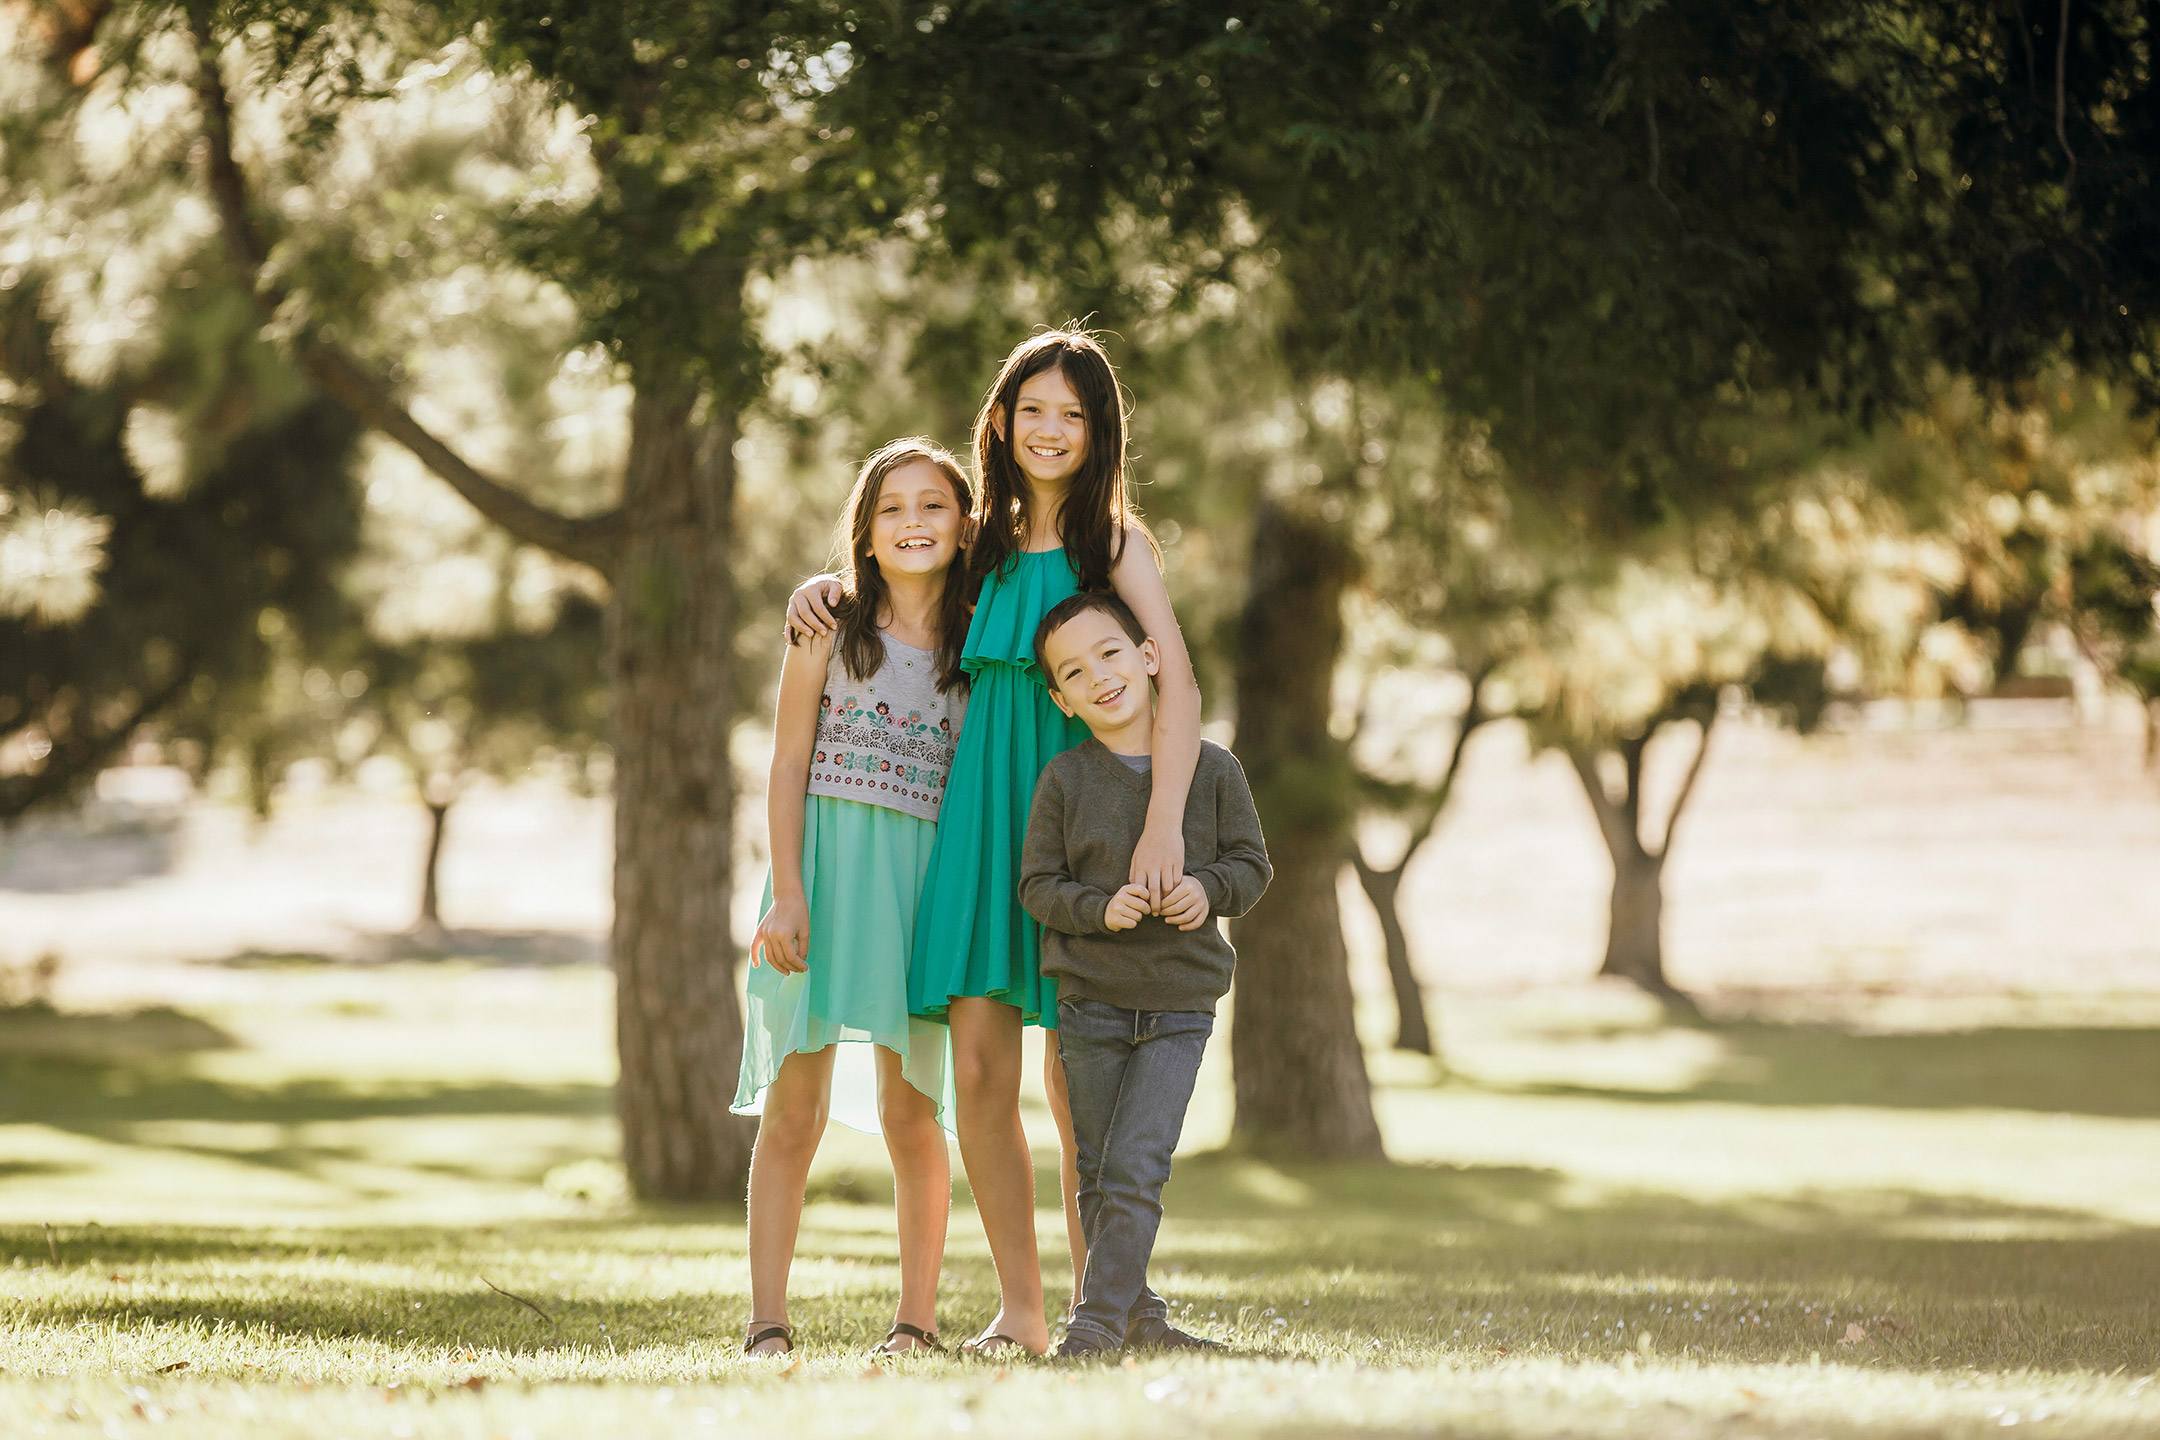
(862, 875)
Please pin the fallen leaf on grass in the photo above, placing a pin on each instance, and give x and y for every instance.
(470, 1382)
(176, 1365)
(1855, 1333)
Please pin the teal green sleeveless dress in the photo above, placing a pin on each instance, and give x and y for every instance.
(971, 936)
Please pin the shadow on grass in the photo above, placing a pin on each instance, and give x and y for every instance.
(66, 856)
(1395, 1265)
(510, 948)
(489, 947)
(2089, 1071)
(109, 1101)
(36, 1031)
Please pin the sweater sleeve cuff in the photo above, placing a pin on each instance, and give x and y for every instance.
(1215, 888)
(1091, 909)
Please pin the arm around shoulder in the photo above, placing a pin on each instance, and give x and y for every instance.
(1240, 871)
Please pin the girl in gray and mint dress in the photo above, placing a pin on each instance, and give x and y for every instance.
(862, 744)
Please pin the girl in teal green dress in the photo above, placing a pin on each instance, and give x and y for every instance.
(1053, 517)
(862, 748)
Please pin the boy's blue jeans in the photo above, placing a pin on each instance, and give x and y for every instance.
(1129, 1076)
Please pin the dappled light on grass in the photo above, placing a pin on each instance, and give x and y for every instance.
(340, 1200)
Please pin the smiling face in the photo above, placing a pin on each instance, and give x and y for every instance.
(915, 529)
(1099, 675)
(1049, 430)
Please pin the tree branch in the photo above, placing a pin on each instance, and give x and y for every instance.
(1656, 160)
(589, 539)
(1687, 786)
(1620, 837)
(2062, 50)
(1426, 803)
(1435, 800)
(81, 753)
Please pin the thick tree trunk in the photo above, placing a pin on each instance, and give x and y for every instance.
(1635, 939)
(1300, 1074)
(430, 894)
(2152, 734)
(670, 639)
(667, 552)
(1382, 887)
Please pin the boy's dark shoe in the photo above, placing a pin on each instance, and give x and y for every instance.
(1152, 1333)
(1073, 1347)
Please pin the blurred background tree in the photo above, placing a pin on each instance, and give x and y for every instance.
(496, 706)
(1508, 347)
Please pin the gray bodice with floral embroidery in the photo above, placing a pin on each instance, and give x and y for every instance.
(887, 740)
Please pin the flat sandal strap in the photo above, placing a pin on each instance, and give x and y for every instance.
(928, 1337)
(770, 1332)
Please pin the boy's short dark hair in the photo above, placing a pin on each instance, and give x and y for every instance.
(1073, 606)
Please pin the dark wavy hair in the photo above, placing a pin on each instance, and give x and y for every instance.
(860, 642)
(1097, 506)
(1074, 606)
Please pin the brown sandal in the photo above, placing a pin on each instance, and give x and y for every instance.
(924, 1339)
(770, 1332)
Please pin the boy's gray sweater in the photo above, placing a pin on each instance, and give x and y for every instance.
(1086, 820)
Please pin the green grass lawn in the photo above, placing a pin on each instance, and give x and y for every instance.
(291, 1205)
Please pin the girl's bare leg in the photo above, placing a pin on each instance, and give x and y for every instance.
(993, 1147)
(1068, 1161)
(787, 1140)
(922, 1188)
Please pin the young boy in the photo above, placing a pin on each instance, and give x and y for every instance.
(1137, 985)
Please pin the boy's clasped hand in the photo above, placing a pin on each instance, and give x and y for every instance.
(1186, 906)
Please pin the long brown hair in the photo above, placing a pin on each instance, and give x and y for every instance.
(1097, 508)
(861, 643)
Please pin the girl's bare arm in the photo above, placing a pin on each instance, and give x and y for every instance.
(802, 683)
(1159, 859)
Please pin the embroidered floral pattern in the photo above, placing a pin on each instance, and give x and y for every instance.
(891, 749)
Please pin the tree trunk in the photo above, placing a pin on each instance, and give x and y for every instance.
(670, 641)
(1300, 1074)
(2152, 734)
(1382, 887)
(1635, 934)
(430, 895)
(1635, 940)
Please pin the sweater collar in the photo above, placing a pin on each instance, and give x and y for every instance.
(1133, 779)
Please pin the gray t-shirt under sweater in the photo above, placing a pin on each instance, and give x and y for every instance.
(1089, 809)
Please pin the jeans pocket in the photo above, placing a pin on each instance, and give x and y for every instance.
(1190, 1025)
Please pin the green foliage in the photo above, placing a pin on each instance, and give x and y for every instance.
(452, 709)
(2028, 514)
(207, 585)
